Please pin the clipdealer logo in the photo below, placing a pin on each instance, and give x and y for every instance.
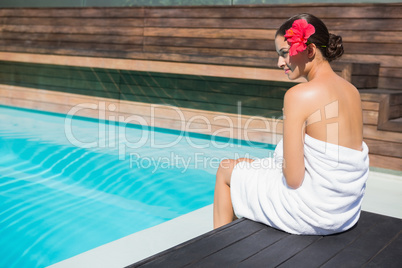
(114, 136)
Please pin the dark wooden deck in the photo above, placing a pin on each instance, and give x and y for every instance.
(375, 241)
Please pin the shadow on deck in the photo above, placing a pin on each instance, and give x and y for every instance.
(375, 241)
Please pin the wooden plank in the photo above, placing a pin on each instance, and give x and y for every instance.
(364, 24)
(53, 46)
(384, 148)
(370, 106)
(213, 23)
(279, 252)
(392, 125)
(395, 111)
(79, 38)
(74, 52)
(372, 48)
(208, 60)
(390, 83)
(387, 162)
(45, 12)
(371, 132)
(356, 69)
(29, 104)
(210, 243)
(373, 96)
(272, 23)
(395, 98)
(212, 12)
(366, 82)
(74, 12)
(390, 72)
(100, 22)
(135, 52)
(390, 256)
(383, 113)
(211, 33)
(364, 248)
(125, 12)
(370, 117)
(235, 253)
(51, 29)
(217, 60)
(326, 248)
(349, 36)
(255, 44)
(387, 61)
(281, 11)
(365, 69)
(263, 55)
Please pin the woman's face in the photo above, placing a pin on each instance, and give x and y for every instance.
(293, 66)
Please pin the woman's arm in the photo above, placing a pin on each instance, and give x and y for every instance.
(295, 115)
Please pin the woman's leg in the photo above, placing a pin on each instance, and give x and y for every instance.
(223, 209)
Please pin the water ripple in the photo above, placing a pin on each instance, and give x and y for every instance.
(58, 200)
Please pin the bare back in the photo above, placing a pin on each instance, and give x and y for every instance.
(336, 112)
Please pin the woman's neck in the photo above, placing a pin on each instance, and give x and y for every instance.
(317, 68)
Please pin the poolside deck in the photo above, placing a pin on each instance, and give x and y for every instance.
(376, 241)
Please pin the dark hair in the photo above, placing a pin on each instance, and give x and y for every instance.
(330, 45)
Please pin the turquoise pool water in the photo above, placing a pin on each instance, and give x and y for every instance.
(68, 186)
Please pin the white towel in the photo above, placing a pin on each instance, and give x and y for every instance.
(328, 201)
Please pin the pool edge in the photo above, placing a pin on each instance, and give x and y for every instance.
(143, 244)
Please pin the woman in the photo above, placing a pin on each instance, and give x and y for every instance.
(316, 180)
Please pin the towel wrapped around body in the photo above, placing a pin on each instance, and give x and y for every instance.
(328, 201)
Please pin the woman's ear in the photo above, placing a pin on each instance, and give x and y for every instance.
(311, 50)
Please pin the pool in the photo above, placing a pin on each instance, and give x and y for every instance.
(70, 184)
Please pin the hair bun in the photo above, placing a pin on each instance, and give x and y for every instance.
(334, 47)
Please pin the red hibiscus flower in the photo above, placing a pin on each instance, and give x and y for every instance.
(297, 36)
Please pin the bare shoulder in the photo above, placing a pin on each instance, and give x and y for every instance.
(353, 90)
(302, 96)
(305, 90)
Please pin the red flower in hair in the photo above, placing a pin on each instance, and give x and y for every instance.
(297, 36)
